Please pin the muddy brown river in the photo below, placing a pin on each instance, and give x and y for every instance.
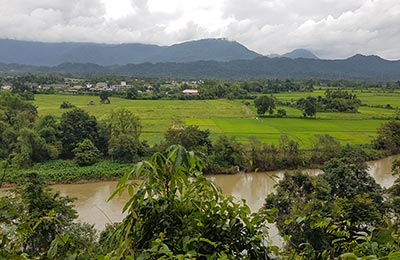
(93, 207)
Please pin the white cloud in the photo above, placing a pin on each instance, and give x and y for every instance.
(331, 28)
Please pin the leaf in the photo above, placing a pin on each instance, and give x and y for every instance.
(53, 249)
(348, 256)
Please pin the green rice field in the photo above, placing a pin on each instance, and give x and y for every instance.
(234, 118)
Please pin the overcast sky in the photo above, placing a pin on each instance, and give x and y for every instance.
(329, 28)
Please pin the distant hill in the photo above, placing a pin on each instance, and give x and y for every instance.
(52, 54)
(356, 67)
(206, 49)
(296, 54)
(300, 53)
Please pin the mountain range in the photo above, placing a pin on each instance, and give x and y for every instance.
(52, 54)
(208, 58)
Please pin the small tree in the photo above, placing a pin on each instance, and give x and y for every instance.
(310, 107)
(86, 153)
(104, 97)
(325, 147)
(281, 112)
(66, 105)
(190, 137)
(264, 104)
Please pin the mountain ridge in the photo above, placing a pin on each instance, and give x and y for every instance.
(52, 54)
(372, 68)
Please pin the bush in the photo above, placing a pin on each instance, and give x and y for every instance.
(66, 104)
(86, 153)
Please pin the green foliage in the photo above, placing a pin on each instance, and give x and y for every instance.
(86, 153)
(309, 106)
(227, 153)
(104, 97)
(67, 171)
(76, 125)
(31, 219)
(388, 137)
(22, 90)
(30, 147)
(264, 104)
(125, 129)
(281, 112)
(325, 148)
(16, 112)
(322, 217)
(66, 105)
(176, 213)
(190, 137)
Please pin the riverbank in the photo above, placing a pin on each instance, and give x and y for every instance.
(67, 171)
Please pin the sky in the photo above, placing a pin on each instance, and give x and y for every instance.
(329, 28)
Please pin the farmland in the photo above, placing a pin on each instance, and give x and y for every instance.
(235, 118)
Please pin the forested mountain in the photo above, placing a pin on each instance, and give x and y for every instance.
(356, 67)
(207, 58)
(53, 54)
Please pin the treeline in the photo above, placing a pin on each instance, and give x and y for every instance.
(27, 85)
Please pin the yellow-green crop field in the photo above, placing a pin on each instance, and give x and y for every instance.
(234, 118)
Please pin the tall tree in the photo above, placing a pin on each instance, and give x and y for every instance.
(125, 129)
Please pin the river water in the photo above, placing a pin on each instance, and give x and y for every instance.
(93, 207)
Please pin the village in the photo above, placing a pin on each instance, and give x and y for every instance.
(82, 86)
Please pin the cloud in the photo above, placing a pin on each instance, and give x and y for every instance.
(330, 28)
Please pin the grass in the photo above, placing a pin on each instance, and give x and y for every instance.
(368, 97)
(156, 115)
(234, 118)
(66, 171)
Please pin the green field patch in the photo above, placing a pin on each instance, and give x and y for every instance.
(231, 118)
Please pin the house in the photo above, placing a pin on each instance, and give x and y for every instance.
(193, 92)
(6, 87)
(122, 86)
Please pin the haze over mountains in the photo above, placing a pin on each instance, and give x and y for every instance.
(208, 58)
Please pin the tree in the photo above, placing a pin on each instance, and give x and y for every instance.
(176, 213)
(36, 217)
(30, 147)
(16, 112)
(125, 129)
(86, 153)
(22, 90)
(388, 137)
(190, 137)
(322, 216)
(227, 152)
(66, 104)
(75, 126)
(310, 107)
(132, 93)
(325, 147)
(104, 97)
(281, 112)
(264, 104)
